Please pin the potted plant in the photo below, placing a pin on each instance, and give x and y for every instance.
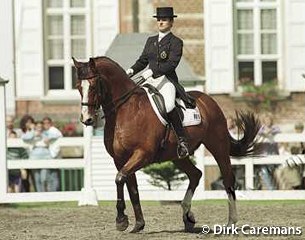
(262, 97)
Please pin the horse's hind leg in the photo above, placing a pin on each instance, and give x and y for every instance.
(219, 148)
(134, 197)
(194, 175)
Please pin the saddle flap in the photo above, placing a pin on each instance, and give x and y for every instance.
(190, 116)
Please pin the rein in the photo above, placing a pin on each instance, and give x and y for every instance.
(117, 102)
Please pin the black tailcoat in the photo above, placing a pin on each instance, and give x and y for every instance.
(163, 58)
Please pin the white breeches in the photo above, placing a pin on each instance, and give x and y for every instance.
(167, 89)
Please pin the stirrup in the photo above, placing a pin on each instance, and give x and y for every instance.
(182, 150)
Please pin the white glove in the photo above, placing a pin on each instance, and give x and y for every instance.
(147, 74)
(129, 72)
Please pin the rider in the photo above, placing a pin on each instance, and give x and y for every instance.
(162, 54)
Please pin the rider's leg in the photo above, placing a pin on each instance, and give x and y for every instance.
(169, 90)
(175, 120)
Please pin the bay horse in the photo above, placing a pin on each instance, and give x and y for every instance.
(133, 133)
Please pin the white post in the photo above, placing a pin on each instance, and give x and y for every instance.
(88, 194)
(3, 164)
(249, 173)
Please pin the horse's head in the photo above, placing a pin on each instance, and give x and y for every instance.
(89, 86)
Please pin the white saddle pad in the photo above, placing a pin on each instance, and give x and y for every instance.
(192, 117)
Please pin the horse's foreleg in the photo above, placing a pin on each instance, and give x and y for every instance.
(127, 172)
(135, 200)
(121, 219)
(194, 175)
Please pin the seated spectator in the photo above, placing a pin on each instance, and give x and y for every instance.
(15, 180)
(10, 126)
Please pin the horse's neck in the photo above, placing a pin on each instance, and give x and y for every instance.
(118, 85)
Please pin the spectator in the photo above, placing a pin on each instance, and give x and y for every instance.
(299, 128)
(232, 127)
(15, 180)
(52, 134)
(26, 124)
(39, 150)
(10, 126)
(267, 146)
(289, 174)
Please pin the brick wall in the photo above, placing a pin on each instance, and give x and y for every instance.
(38, 110)
(188, 25)
(287, 112)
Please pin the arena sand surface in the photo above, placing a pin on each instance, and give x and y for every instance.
(163, 221)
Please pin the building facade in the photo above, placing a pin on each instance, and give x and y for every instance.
(226, 42)
(43, 37)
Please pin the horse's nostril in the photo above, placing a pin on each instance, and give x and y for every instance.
(89, 122)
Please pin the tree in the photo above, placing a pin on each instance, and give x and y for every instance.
(165, 175)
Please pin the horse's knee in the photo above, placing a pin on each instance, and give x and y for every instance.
(197, 176)
(120, 178)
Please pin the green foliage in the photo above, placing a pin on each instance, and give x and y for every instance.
(263, 96)
(165, 175)
(69, 128)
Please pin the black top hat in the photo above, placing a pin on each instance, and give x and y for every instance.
(165, 12)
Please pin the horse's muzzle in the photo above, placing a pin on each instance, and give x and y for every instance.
(88, 122)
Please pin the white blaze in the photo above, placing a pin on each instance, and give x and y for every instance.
(85, 90)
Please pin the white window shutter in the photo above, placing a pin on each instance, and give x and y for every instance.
(295, 44)
(218, 23)
(106, 24)
(29, 48)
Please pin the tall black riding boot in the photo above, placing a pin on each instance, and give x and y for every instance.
(182, 148)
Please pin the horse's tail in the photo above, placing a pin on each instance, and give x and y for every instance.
(248, 125)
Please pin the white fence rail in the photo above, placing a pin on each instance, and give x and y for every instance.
(146, 193)
(44, 164)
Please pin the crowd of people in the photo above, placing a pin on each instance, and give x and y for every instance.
(41, 136)
(289, 175)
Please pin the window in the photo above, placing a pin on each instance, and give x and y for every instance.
(67, 34)
(257, 40)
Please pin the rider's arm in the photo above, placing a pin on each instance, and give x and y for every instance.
(142, 62)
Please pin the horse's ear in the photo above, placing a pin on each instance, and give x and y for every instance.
(76, 63)
(91, 63)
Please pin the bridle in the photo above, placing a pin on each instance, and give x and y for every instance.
(114, 104)
(96, 104)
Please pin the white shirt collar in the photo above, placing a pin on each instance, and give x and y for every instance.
(162, 35)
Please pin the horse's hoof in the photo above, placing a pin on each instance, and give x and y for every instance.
(232, 221)
(138, 227)
(122, 223)
(189, 221)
